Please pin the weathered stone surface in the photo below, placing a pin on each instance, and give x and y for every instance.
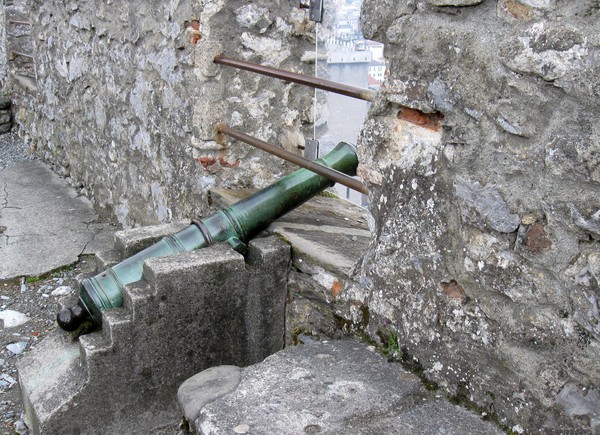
(3, 60)
(486, 207)
(129, 99)
(454, 2)
(485, 237)
(321, 387)
(36, 239)
(5, 117)
(328, 236)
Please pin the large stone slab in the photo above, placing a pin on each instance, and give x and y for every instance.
(335, 387)
(325, 230)
(44, 225)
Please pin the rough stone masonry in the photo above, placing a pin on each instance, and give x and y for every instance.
(485, 257)
(481, 154)
(3, 64)
(126, 98)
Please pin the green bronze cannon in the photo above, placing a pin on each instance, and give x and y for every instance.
(236, 225)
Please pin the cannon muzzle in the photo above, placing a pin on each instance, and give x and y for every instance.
(236, 225)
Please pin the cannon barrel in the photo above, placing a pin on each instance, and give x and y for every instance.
(236, 225)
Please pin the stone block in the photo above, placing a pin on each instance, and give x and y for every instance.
(341, 386)
(106, 259)
(190, 311)
(131, 241)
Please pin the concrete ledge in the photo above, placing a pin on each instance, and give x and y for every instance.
(44, 225)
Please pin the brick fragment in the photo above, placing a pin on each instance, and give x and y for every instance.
(453, 291)
(536, 239)
(430, 121)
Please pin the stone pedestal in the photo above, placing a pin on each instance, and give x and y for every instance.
(189, 312)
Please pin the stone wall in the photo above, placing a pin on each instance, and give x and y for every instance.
(3, 65)
(128, 98)
(482, 155)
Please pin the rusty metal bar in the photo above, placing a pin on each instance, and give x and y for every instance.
(315, 82)
(18, 53)
(26, 23)
(325, 171)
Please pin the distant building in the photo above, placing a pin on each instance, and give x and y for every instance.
(376, 48)
(373, 84)
(377, 70)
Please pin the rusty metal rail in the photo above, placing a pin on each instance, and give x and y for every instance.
(325, 171)
(25, 23)
(14, 54)
(315, 82)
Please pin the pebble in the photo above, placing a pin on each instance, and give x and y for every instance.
(62, 290)
(20, 427)
(13, 318)
(242, 428)
(8, 378)
(17, 348)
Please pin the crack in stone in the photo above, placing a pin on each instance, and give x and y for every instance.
(4, 205)
(5, 198)
(89, 241)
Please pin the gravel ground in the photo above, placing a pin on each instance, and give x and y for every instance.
(28, 308)
(12, 150)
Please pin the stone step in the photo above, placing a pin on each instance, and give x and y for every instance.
(136, 294)
(341, 386)
(93, 343)
(106, 259)
(116, 325)
(132, 241)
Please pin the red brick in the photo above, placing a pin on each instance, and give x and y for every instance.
(430, 121)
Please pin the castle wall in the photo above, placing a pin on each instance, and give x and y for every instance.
(485, 257)
(126, 98)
